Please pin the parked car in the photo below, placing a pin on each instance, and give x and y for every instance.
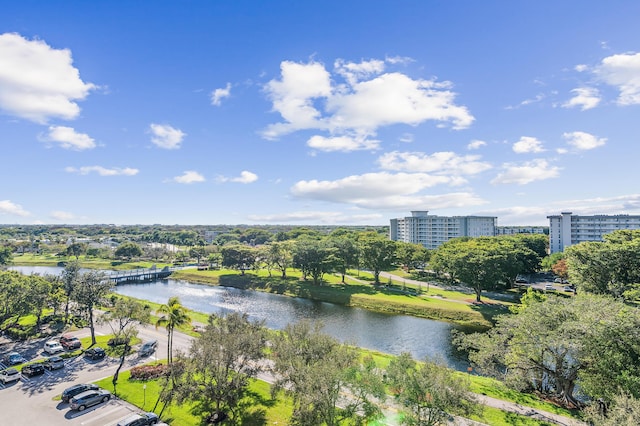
(52, 347)
(548, 286)
(70, 342)
(89, 398)
(95, 353)
(9, 375)
(53, 363)
(558, 280)
(31, 370)
(74, 390)
(140, 419)
(14, 358)
(148, 348)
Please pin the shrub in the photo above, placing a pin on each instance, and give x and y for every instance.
(148, 372)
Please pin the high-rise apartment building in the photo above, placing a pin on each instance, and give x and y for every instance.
(567, 229)
(431, 230)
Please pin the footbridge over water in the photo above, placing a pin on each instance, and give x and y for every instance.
(140, 275)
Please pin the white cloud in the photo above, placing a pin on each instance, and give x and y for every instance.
(245, 177)
(581, 68)
(585, 98)
(306, 99)
(353, 72)
(622, 204)
(11, 208)
(527, 144)
(61, 216)
(622, 72)
(562, 150)
(476, 144)
(219, 94)
(188, 177)
(314, 217)
(406, 138)
(527, 172)
(370, 189)
(103, 171)
(68, 138)
(343, 143)
(166, 137)
(583, 141)
(438, 162)
(38, 82)
(539, 97)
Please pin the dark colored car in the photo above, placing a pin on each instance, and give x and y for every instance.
(70, 342)
(148, 348)
(89, 398)
(53, 363)
(140, 419)
(9, 375)
(74, 390)
(95, 353)
(14, 358)
(31, 370)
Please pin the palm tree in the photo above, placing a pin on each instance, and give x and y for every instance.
(174, 315)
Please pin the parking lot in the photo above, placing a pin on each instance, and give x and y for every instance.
(36, 400)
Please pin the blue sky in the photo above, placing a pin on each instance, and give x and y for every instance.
(309, 112)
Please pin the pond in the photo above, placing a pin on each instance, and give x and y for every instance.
(387, 333)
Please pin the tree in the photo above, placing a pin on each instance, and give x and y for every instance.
(221, 362)
(76, 249)
(39, 295)
(377, 253)
(173, 315)
(123, 320)
(197, 252)
(476, 262)
(128, 250)
(560, 269)
(238, 257)
(428, 391)
(609, 267)
(345, 253)
(315, 369)
(554, 343)
(624, 410)
(313, 257)
(6, 256)
(280, 254)
(89, 292)
(14, 293)
(70, 275)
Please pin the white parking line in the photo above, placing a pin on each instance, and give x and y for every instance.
(118, 407)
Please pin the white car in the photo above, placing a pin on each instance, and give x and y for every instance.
(52, 347)
(548, 287)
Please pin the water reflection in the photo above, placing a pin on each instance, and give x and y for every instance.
(382, 332)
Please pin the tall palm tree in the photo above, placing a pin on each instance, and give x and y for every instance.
(174, 315)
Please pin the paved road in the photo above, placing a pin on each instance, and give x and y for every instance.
(31, 401)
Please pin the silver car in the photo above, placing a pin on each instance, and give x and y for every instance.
(89, 398)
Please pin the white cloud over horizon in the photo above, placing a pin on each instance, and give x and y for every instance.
(103, 171)
(219, 94)
(583, 141)
(165, 136)
(526, 172)
(622, 71)
(584, 97)
(343, 143)
(68, 138)
(61, 215)
(527, 144)
(189, 177)
(11, 208)
(311, 217)
(448, 163)
(307, 97)
(245, 177)
(38, 82)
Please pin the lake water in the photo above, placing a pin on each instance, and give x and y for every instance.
(387, 333)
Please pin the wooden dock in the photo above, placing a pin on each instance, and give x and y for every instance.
(140, 275)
